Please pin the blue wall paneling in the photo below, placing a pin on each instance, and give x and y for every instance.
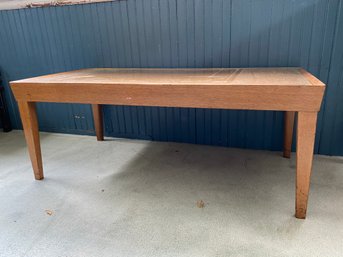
(180, 33)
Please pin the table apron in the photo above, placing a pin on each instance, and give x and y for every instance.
(282, 98)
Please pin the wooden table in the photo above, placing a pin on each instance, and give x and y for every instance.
(280, 89)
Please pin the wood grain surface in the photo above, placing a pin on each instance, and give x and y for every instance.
(289, 89)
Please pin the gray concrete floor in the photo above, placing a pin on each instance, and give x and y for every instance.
(139, 198)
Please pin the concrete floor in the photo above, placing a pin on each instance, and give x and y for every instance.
(139, 198)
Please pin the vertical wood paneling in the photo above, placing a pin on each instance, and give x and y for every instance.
(180, 33)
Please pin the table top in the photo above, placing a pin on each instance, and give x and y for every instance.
(290, 89)
(215, 76)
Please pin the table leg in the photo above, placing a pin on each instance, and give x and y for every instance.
(288, 134)
(98, 121)
(306, 130)
(30, 125)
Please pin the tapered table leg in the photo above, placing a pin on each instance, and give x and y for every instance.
(98, 121)
(306, 130)
(288, 134)
(30, 125)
